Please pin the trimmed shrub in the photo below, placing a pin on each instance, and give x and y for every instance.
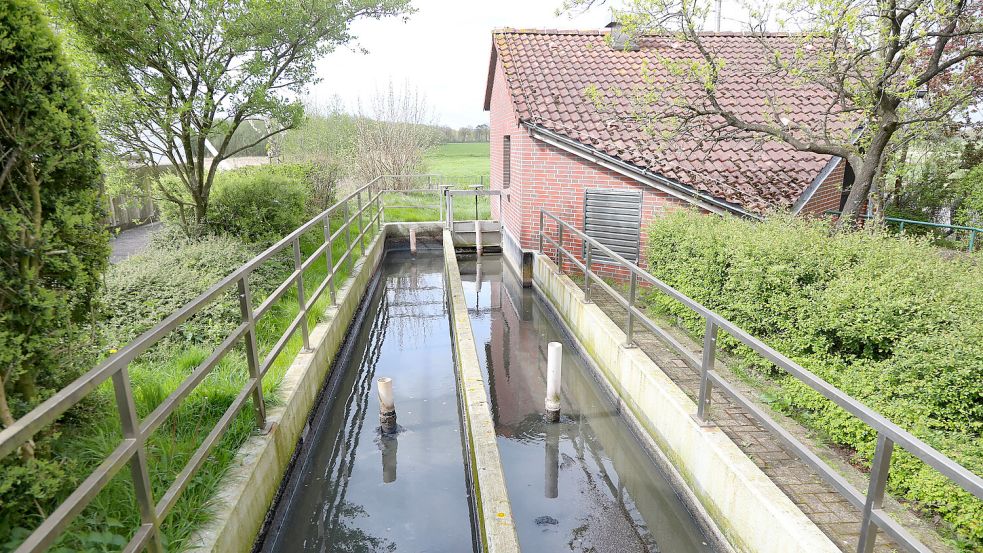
(52, 245)
(256, 207)
(889, 320)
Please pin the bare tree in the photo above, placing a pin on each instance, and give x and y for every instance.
(393, 132)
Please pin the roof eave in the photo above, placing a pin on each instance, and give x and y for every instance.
(660, 182)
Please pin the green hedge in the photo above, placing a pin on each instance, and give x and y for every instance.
(891, 321)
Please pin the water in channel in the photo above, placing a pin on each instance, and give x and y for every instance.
(354, 489)
(585, 483)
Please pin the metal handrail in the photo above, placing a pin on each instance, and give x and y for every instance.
(132, 449)
(972, 230)
(888, 433)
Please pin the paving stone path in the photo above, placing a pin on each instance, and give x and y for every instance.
(832, 513)
(133, 241)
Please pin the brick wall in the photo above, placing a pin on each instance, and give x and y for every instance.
(544, 176)
(827, 196)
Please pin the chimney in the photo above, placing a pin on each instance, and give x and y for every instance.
(618, 39)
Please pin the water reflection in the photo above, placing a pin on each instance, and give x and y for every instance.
(336, 499)
(584, 483)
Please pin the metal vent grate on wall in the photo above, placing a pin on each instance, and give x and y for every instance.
(614, 218)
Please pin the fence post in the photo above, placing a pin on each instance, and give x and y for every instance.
(706, 385)
(630, 326)
(559, 247)
(252, 351)
(587, 260)
(879, 470)
(301, 300)
(361, 226)
(541, 230)
(972, 240)
(138, 463)
(348, 234)
(328, 255)
(450, 210)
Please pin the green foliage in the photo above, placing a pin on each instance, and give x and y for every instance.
(889, 320)
(257, 207)
(260, 56)
(971, 210)
(147, 288)
(258, 204)
(52, 246)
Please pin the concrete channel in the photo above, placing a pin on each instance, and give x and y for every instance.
(471, 464)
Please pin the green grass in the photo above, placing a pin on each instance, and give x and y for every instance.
(422, 206)
(458, 160)
(112, 517)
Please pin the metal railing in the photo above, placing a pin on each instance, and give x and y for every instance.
(888, 433)
(447, 212)
(426, 191)
(902, 222)
(132, 449)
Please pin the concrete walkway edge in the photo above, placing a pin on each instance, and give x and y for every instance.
(494, 509)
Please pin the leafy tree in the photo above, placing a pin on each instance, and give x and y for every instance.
(886, 68)
(190, 73)
(52, 245)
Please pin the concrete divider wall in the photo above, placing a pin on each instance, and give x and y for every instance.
(248, 489)
(494, 510)
(748, 508)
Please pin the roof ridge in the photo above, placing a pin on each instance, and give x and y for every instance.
(596, 32)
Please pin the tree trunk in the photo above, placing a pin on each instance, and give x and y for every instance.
(866, 173)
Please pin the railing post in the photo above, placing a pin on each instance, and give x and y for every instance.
(972, 240)
(361, 226)
(348, 234)
(328, 255)
(138, 463)
(301, 300)
(879, 470)
(559, 247)
(630, 326)
(706, 385)
(587, 260)
(541, 230)
(252, 351)
(450, 210)
(901, 228)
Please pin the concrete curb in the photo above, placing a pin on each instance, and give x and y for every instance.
(248, 488)
(494, 510)
(753, 514)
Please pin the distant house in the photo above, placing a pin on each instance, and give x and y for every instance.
(552, 148)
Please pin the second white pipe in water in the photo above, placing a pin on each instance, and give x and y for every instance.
(554, 356)
(413, 240)
(387, 406)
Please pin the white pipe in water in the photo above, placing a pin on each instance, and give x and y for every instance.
(413, 240)
(554, 355)
(477, 236)
(387, 406)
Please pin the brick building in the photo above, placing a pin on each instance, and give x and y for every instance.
(553, 148)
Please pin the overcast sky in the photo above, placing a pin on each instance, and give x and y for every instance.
(442, 50)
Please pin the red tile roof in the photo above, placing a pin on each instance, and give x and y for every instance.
(548, 72)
